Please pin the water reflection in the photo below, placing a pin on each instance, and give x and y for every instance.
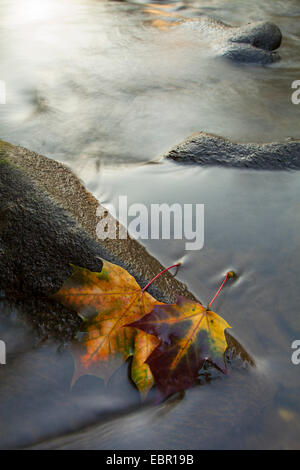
(91, 81)
(33, 11)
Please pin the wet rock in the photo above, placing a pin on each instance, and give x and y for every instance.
(39, 239)
(209, 149)
(263, 35)
(47, 221)
(51, 207)
(252, 43)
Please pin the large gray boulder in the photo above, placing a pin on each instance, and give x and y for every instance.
(47, 221)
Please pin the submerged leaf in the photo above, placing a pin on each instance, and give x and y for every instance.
(189, 335)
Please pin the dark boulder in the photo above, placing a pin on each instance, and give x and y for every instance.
(251, 43)
(209, 149)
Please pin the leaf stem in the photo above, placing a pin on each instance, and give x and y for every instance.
(228, 274)
(159, 274)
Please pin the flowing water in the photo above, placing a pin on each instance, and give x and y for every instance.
(102, 87)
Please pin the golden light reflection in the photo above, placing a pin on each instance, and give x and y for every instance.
(164, 12)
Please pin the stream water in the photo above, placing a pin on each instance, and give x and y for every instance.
(99, 86)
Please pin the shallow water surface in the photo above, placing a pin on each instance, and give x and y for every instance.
(98, 86)
(90, 82)
(251, 225)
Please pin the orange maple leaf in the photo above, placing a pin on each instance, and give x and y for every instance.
(107, 301)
